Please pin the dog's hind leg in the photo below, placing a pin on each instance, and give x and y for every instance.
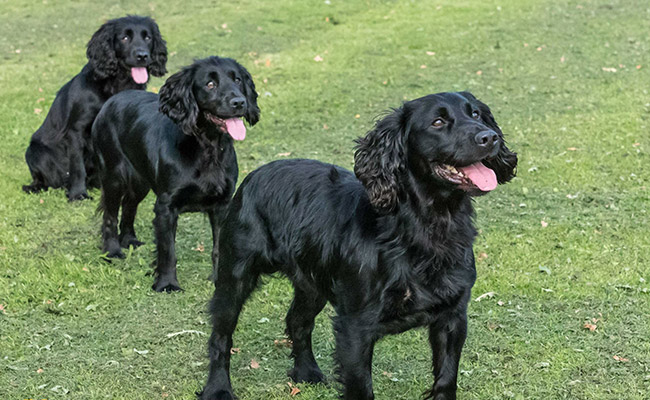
(110, 205)
(300, 324)
(230, 294)
(165, 224)
(138, 190)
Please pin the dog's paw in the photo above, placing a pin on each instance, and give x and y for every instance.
(308, 375)
(218, 395)
(78, 196)
(113, 253)
(166, 285)
(130, 241)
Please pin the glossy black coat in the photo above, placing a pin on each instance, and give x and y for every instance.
(60, 153)
(389, 248)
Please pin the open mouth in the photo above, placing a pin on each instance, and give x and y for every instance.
(234, 126)
(471, 177)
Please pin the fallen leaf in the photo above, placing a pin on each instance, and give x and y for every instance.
(2, 308)
(488, 295)
(562, 59)
(591, 327)
(224, 26)
(479, 72)
(40, 99)
(41, 201)
(638, 67)
(40, 370)
(500, 303)
(357, 116)
(85, 269)
(254, 364)
(544, 224)
(482, 256)
(199, 247)
(325, 126)
(431, 53)
(38, 110)
(620, 359)
(318, 58)
(423, 66)
(283, 343)
(235, 350)
(267, 62)
(609, 69)
(572, 148)
(385, 82)
(287, 154)
(539, 48)
(294, 390)
(636, 144)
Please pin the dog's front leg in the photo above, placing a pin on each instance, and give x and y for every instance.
(77, 167)
(355, 341)
(216, 217)
(447, 335)
(165, 226)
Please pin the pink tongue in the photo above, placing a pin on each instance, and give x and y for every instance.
(140, 75)
(236, 128)
(480, 175)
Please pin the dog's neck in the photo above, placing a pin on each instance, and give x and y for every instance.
(114, 84)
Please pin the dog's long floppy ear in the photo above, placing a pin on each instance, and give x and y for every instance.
(158, 66)
(177, 100)
(380, 160)
(101, 51)
(252, 114)
(504, 164)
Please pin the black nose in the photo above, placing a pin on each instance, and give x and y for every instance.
(237, 102)
(142, 56)
(486, 138)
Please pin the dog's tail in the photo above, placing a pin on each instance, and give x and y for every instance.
(47, 165)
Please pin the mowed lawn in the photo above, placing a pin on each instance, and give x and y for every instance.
(563, 249)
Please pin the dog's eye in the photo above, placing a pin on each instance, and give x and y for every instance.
(147, 38)
(210, 85)
(438, 122)
(475, 114)
(238, 81)
(125, 38)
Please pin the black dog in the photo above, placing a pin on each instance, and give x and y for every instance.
(181, 146)
(391, 249)
(121, 54)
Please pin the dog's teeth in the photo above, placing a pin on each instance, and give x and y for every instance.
(453, 169)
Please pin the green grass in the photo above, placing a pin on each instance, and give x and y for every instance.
(74, 326)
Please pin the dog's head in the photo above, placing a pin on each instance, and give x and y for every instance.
(212, 91)
(445, 141)
(131, 44)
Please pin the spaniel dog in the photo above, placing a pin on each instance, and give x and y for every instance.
(180, 144)
(121, 55)
(389, 248)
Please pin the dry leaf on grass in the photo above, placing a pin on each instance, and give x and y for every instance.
(235, 350)
(294, 390)
(254, 364)
(590, 326)
(620, 359)
(488, 295)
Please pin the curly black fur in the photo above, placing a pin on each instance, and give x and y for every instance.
(390, 249)
(60, 153)
(174, 144)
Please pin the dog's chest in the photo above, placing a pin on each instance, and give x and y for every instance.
(424, 292)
